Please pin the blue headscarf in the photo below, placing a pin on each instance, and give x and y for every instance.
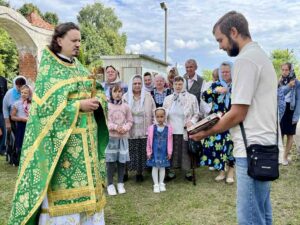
(224, 84)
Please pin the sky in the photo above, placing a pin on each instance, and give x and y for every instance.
(274, 24)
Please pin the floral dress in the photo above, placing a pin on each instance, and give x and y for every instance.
(217, 149)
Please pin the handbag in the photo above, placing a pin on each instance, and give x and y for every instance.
(262, 159)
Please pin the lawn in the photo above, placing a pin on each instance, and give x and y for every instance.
(208, 202)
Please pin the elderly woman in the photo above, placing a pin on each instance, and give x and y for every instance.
(179, 120)
(142, 106)
(217, 149)
(112, 78)
(159, 91)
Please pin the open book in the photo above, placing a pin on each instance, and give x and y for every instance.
(204, 124)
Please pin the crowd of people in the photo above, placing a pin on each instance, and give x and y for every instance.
(147, 121)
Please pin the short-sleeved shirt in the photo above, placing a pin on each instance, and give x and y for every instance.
(20, 109)
(255, 84)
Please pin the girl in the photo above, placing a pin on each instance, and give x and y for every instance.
(19, 114)
(116, 153)
(159, 149)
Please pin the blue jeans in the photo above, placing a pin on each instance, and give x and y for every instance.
(253, 197)
(3, 137)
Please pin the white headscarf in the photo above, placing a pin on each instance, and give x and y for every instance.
(130, 91)
(179, 96)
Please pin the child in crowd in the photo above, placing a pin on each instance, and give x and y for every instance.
(19, 114)
(117, 153)
(159, 149)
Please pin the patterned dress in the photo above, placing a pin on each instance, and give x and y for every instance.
(217, 149)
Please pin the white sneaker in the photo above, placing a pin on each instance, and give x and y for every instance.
(285, 162)
(121, 188)
(111, 190)
(162, 187)
(156, 188)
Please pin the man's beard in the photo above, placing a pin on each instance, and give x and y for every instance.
(234, 50)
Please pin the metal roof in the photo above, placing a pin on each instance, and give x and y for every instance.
(135, 56)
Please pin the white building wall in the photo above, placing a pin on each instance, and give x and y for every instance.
(130, 66)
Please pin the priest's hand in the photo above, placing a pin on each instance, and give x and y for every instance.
(199, 136)
(89, 105)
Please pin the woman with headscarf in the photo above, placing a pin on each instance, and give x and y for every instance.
(289, 110)
(183, 111)
(217, 149)
(142, 106)
(112, 78)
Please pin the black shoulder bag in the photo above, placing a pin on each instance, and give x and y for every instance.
(262, 159)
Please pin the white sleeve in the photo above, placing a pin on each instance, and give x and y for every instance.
(204, 107)
(244, 83)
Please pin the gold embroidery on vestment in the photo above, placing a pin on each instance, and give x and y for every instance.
(43, 194)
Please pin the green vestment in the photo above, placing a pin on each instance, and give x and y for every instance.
(63, 150)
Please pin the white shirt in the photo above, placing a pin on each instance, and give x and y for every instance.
(254, 84)
(65, 57)
(176, 118)
(204, 107)
(191, 81)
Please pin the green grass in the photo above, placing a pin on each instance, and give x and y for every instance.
(208, 202)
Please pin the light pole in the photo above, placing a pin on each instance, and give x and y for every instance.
(163, 5)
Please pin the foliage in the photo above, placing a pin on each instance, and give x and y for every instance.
(8, 56)
(28, 8)
(4, 3)
(51, 18)
(207, 75)
(100, 33)
(280, 56)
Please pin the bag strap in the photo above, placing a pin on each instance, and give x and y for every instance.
(244, 133)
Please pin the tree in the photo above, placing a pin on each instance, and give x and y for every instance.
(28, 8)
(280, 56)
(51, 18)
(207, 74)
(8, 56)
(4, 3)
(100, 33)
